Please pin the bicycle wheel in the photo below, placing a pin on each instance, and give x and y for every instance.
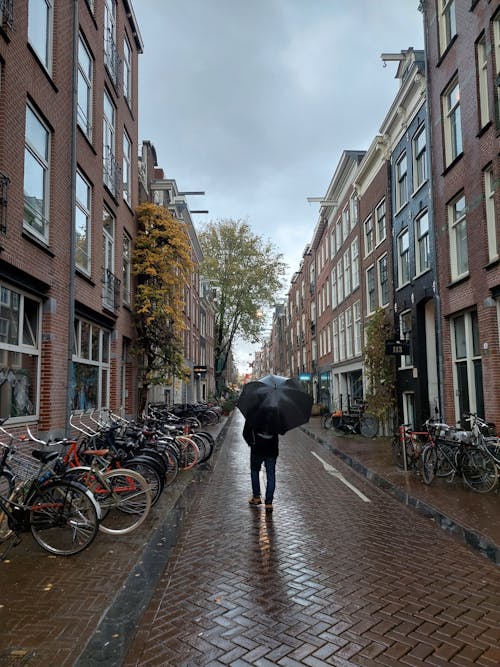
(429, 463)
(337, 426)
(368, 425)
(63, 518)
(190, 453)
(479, 471)
(397, 451)
(125, 497)
(445, 459)
(7, 490)
(153, 475)
(326, 421)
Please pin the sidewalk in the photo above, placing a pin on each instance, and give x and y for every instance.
(470, 517)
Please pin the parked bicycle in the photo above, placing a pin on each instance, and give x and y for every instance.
(353, 420)
(453, 453)
(62, 516)
(407, 447)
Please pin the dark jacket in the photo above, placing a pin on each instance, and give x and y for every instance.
(262, 444)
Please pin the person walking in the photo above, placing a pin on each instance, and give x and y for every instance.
(264, 449)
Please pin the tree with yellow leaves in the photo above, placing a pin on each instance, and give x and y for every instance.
(163, 266)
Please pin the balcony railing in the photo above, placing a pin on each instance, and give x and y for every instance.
(112, 60)
(112, 172)
(4, 185)
(7, 13)
(110, 290)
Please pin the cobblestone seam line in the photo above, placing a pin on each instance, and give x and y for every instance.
(110, 642)
(462, 533)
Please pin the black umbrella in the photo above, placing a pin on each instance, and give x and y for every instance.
(275, 404)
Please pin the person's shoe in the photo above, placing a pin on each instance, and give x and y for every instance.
(269, 507)
(255, 500)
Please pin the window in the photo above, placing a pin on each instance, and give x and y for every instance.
(482, 81)
(401, 182)
(405, 329)
(468, 374)
(458, 238)
(20, 318)
(380, 228)
(40, 17)
(490, 214)
(355, 263)
(383, 281)
(419, 158)
(108, 254)
(91, 366)
(422, 242)
(334, 288)
(340, 281)
(341, 336)
(127, 70)
(496, 39)
(338, 234)
(357, 327)
(452, 123)
(108, 147)
(335, 327)
(346, 224)
(36, 175)
(447, 24)
(370, 290)
(111, 59)
(368, 228)
(354, 205)
(85, 87)
(127, 258)
(127, 168)
(82, 223)
(348, 333)
(403, 258)
(347, 272)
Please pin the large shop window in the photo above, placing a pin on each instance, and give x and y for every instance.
(91, 366)
(19, 353)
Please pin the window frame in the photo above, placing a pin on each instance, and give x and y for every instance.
(422, 240)
(383, 280)
(39, 32)
(21, 348)
(457, 231)
(85, 209)
(86, 77)
(490, 213)
(419, 157)
(44, 162)
(404, 269)
(371, 289)
(401, 181)
(452, 122)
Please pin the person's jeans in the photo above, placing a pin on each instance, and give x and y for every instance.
(269, 462)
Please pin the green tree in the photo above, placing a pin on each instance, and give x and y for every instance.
(379, 367)
(163, 266)
(246, 272)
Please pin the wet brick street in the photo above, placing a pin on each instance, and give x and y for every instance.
(327, 579)
(337, 575)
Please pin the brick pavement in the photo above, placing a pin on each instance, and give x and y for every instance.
(470, 517)
(326, 580)
(53, 610)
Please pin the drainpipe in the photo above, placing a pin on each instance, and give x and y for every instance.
(437, 298)
(71, 290)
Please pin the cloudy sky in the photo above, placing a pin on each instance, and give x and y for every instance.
(253, 101)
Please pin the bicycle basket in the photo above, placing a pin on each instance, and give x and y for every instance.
(23, 466)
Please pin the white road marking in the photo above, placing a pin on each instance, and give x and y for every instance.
(336, 473)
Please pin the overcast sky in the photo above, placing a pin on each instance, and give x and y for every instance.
(253, 101)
